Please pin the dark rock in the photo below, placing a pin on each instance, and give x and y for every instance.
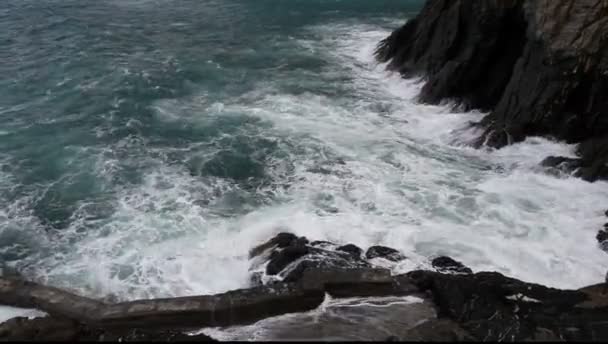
(281, 240)
(438, 330)
(602, 236)
(449, 265)
(279, 260)
(319, 258)
(47, 328)
(492, 307)
(354, 250)
(290, 256)
(60, 329)
(538, 67)
(321, 243)
(255, 279)
(566, 165)
(606, 213)
(384, 252)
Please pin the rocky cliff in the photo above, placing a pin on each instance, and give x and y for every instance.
(539, 67)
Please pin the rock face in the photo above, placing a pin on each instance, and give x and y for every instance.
(540, 67)
(491, 307)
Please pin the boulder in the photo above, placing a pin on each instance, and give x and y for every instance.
(281, 240)
(279, 260)
(384, 252)
(289, 256)
(449, 265)
(354, 250)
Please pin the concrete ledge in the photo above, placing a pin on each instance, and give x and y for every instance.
(20, 293)
(239, 307)
(233, 308)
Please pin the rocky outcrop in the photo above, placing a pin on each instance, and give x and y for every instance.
(491, 307)
(287, 257)
(449, 265)
(539, 67)
(454, 303)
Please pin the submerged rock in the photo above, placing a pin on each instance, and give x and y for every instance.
(540, 68)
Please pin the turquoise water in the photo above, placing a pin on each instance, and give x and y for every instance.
(146, 145)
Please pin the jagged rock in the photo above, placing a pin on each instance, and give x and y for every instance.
(279, 260)
(492, 307)
(449, 265)
(384, 252)
(290, 256)
(540, 68)
(281, 240)
(354, 250)
(319, 258)
(567, 165)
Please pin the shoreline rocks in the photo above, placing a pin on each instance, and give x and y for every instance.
(469, 306)
(539, 67)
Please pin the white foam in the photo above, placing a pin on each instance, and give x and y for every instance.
(405, 182)
(301, 325)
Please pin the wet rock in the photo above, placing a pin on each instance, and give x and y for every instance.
(281, 240)
(492, 307)
(566, 165)
(47, 328)
(60, 329)
(354, 250)
(384, 252)
(449, 265)
(255, 279)
(538, 68)
(289, 256)
(9, 272)
(321, 243)
(602, 238)
(279, 260)
(438, 330)
(319, 258)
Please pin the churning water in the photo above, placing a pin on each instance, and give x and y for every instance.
(147, 145)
